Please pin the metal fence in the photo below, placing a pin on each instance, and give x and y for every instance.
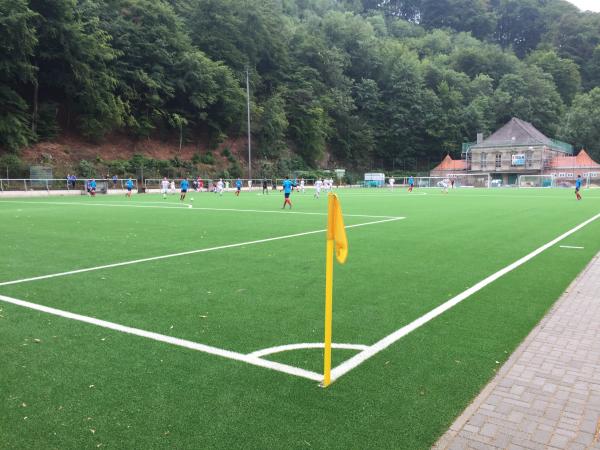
(59, 184)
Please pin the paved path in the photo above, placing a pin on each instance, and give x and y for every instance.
(547, 395)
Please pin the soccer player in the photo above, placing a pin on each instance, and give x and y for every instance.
(302, 185)
(164, 187)
(172, 187)
(578, 187)
(184, 185)
(200, 184)
(444, 185)
(265, 186)
(392, 181)
(249, 185)
(220, 186)
(411, 183)
(92, 187)
(287, 190)
(129, 186)
(238, 187)
(318, 185)
(114, 180)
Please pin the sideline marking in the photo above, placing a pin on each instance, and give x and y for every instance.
(570, 246)
(199, 208)
(286, 348)
(384, 343)
(250, 359)
(190, 252)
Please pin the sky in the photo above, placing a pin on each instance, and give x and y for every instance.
(590, 5)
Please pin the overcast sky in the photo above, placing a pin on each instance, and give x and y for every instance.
(590, 5)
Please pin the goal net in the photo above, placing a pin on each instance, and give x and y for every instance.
(536, 181)
(475, 180)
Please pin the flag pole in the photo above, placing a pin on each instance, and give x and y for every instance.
(328, 295)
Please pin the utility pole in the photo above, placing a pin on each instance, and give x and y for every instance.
(249, 133)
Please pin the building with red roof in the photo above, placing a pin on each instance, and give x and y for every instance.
(518, 148)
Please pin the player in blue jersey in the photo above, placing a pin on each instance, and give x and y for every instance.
(92, 187)
(578, 187)
(411, 183)
(184, 185)
(129, 186)
(238, 187)
(287, 190)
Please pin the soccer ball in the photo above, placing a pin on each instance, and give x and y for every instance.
(189, 206)
(192, 199)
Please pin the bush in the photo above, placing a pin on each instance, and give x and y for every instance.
(12, 166)
(86, 168)
(207, 158)
(235, 170)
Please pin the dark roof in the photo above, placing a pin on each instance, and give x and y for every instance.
(517, 132)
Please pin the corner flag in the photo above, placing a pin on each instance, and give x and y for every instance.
(336, 238)
(336, 230)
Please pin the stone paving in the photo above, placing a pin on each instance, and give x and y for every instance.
(547, 395)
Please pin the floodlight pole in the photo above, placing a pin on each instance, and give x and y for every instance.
(249, 134)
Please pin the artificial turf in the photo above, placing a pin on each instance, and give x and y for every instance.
(67, 384)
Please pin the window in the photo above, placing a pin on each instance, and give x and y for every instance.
(483, 160)
(498, 160)
(562, 175)
(569, 175)
(594, 174)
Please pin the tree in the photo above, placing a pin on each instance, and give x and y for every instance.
(17, 44)
(519, 26)
(564, 72)
(581, 125)
(530, 95)
(74, 60)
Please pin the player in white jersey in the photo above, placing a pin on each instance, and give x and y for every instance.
(444, 185)
(172, 187)
(392, 181)
(302, 185)
(318, 185)
(164, 187)
(220, 186)
(249, 185)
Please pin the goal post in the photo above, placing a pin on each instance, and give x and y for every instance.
(462, 180)
(536, 181)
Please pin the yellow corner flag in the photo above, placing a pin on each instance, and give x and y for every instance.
(336, 238)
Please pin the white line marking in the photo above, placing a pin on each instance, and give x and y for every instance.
(255, 361)
(384, 343)
(286, 348)
(197, 208)
(191, 252)
(570, 246)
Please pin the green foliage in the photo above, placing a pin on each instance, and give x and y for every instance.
(350, 81)
(17, 43)
(207, 158)
(235, 170)
(11, 166)
(86, 168)
(582, 124)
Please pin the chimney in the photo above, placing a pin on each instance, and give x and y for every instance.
(479, 138)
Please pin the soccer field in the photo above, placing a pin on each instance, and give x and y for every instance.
(144, 323)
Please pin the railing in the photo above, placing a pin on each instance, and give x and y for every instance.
(58, 184)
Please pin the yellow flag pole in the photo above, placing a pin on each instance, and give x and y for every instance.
(328, 313)
(328, 295)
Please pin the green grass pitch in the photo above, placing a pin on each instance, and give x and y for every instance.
(68, 384)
